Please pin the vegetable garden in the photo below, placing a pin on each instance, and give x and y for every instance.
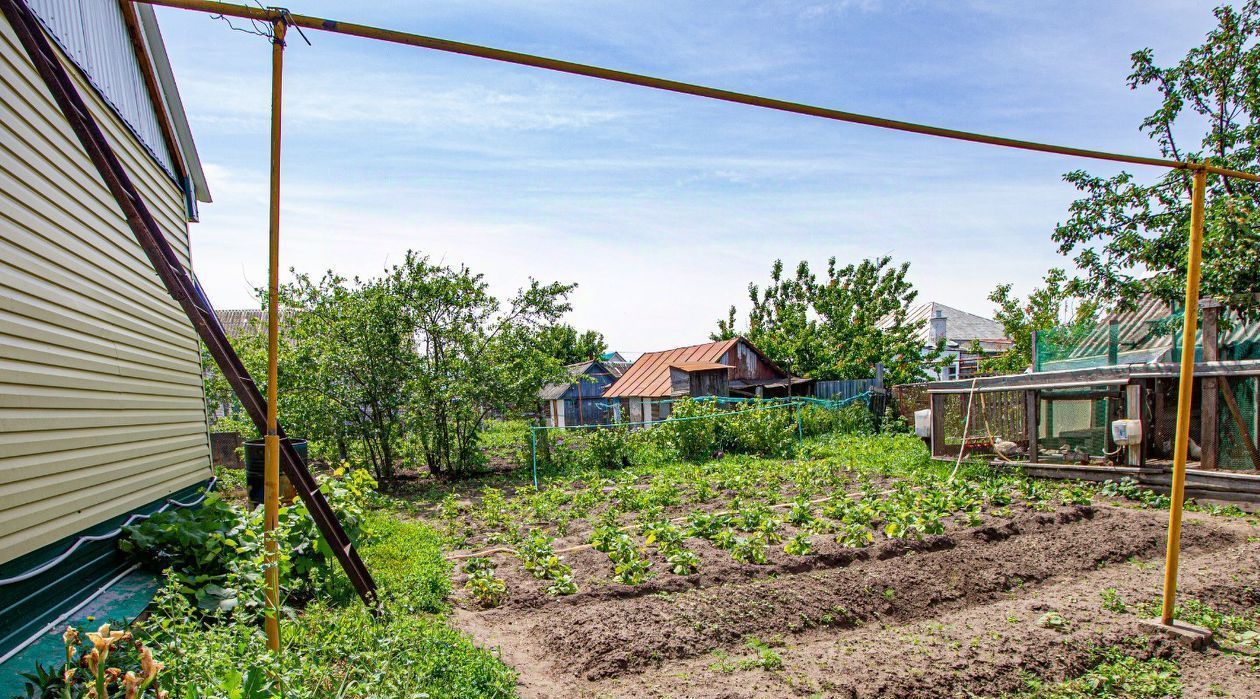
(764, 552)
(634, 570)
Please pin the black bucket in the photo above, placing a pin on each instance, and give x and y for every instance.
(255, 462)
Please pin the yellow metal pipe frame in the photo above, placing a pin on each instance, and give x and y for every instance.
(279, 17)
(553, 64)
(271, 477)
(1184, 390)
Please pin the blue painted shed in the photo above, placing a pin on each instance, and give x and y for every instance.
(580, 400)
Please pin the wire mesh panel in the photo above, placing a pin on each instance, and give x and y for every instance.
(995, 414)
(1232, 437)
(1077, 423)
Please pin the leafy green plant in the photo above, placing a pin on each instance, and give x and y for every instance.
(765, 657)
(539, 558)
(630, 565)
(216, 550)
(802, 513)
(486, 588)
(1116, 676)
(692, 430)
(681, 561)
(1112, 601)
(758, 429)
(750, 549)
(798, 545)
(112, 664)
(609, 447)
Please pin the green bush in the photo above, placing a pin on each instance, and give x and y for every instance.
(817, 420)
(855, 418)
(216, 555)
(694, 439)
(758, 430)
(335, 647)
(609, 447)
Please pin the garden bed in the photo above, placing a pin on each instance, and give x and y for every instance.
(944, 595)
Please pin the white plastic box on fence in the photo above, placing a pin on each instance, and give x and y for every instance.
(923, 423)
(1126, 432)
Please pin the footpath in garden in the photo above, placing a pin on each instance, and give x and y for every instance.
(855, 568)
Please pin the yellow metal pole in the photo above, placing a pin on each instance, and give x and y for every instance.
(271, 496)
(1184, 389)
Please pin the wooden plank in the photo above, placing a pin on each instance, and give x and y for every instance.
(1133, 411)
(938, 424)
(1031, 403)
(1209, 389)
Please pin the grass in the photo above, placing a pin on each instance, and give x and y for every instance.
(336, 648)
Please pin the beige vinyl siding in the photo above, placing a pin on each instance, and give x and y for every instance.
(101, 402)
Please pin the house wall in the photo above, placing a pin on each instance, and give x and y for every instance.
(747, 364)
(101, 402)
(709, 383)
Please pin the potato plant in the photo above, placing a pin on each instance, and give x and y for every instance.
(487, 589)
(538, 555)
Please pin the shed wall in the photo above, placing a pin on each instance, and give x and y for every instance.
(101, 402)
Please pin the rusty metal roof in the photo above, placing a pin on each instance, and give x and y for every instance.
(649, 375)
(700, 366)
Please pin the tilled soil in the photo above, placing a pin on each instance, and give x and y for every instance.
(952, 615)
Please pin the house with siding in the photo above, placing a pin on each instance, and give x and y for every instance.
(733, 367)
(102, 411)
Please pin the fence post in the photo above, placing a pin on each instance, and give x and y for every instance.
(533, 453)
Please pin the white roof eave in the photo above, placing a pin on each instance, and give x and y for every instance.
(173, 104)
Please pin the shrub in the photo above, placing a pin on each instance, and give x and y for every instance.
(335, 647)
(759, 430)
(816, 420)
(216, 553)
(693, 434)
(609, 447)
(855, 418)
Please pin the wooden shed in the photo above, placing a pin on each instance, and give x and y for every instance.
(102, 411)
(722, 368)
(580, 401)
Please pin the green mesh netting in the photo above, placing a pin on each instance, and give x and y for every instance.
(1136, 342)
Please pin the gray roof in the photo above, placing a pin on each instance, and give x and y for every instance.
(238, 321)
(961, 327)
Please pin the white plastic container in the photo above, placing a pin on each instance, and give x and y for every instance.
(1126, 432)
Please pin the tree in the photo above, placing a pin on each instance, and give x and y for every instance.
(407, 364)
(345, 357)
(838, 327)
(1045, 308)
(568, 346)
(476, 356)
(1130, 238)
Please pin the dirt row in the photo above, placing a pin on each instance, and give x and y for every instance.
(953, 614)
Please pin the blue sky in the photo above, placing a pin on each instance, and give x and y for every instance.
(663, 207)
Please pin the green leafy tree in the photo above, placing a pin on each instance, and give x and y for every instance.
(1045, 308)
(476, 356)
(407, 364)
(569, 346)
(1129, 237)
(345, 357)
(837, 327)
